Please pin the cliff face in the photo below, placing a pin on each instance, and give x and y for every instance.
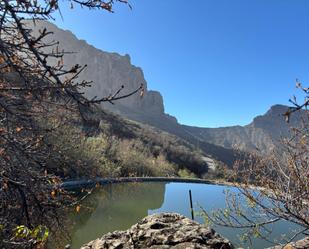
(107, 71)
(263, 133)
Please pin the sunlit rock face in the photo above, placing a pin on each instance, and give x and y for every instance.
(263, 134)
(300, 244)
(108, 72)
(165, 230)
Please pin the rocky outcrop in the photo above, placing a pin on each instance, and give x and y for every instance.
(160, 231)
(262, 134)
(108, 72)
(300, 244)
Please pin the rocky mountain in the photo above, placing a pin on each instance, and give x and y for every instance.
(262, 134)
(109, 71)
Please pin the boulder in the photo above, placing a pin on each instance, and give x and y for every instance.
(160, 231)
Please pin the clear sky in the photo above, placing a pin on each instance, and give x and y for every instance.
(216, 62)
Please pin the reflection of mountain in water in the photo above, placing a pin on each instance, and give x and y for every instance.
(115, 208)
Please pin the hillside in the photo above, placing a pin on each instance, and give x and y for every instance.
(109, 71)
(120, 147)
(262, 134)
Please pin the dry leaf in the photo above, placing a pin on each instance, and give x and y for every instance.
(77, 209)
(53, 193)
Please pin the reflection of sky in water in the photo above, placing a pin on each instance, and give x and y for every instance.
(119, 206)
(210, 197)
(176, 197)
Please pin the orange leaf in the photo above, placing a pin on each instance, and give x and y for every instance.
(18, 129)
(77, 209)
(53, 193)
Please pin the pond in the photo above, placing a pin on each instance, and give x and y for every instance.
(119, 206)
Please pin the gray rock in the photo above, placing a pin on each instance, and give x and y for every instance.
(300, 244)
(107, 71)
(160, 231)
(264, 133)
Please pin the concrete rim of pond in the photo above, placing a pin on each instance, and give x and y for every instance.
(90, 183)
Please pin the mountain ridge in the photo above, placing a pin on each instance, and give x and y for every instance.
(262, 134)
(109, 71)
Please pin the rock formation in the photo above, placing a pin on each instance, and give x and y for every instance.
(300, 244)
(160, 231)
(263, 133)
(109, 71)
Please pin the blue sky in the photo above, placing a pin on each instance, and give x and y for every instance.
(216, 62)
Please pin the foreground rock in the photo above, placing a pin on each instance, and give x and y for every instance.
(166, 230)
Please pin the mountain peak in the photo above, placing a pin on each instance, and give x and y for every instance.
(108, 72)
(277, 109)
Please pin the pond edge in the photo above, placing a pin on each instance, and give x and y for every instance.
(90, 183)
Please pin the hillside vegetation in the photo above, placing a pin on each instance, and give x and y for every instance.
(57, 142)
(111, 71)
(107, 145)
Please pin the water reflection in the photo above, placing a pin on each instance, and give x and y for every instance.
(115, 207)
(119, 206)
(212, 197)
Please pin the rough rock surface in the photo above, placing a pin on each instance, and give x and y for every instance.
(300, 244)
(107, 71)
(263, 133)
(165, 230)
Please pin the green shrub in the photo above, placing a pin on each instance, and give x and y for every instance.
(121, 148)
(185, 173)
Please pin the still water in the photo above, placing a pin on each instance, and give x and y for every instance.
(119, 206)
